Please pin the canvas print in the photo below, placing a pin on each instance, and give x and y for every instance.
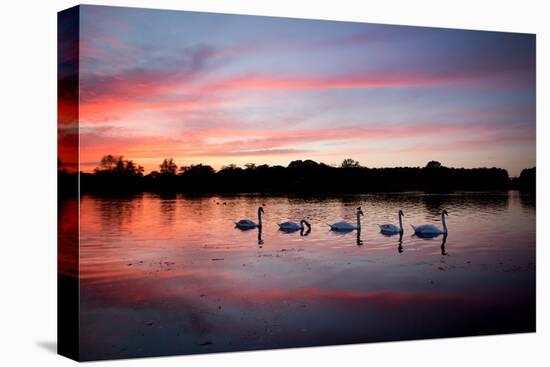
(235, 183)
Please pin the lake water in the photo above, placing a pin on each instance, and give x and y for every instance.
(169, 274)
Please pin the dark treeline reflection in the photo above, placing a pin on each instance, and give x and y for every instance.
(433, 202)
(115, 174)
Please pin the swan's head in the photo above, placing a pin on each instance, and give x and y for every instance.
(401, 213)
(359, 211)
(444, 211)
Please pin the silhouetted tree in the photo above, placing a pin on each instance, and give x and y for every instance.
(231, 166)
(308, 163)
(133, 169)
(349, 163)
(117, 165)
(433, 164)
(198, 177)
(306, 176)
(200, 170)
(114, 174)
(528, 179)
(154, 174)
(120, 166)
(168, 167)
(60, 167)
(108, 163)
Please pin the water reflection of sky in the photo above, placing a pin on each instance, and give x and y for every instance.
(170, 274)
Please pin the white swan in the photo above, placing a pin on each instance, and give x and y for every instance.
(248, 224)
(392, 228)
(293, 226)
(344, 226)
(429, 230)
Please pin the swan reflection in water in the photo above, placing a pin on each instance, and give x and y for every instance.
(359, 240)
(391, 234)
(260, 240)
(303, 231)
(246, 229)
(290, 227)
(432, 236)
(443, 252)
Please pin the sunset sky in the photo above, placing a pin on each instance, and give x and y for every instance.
(220, 89)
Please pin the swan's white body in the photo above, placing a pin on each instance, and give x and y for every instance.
(344, 226)
(429, 230)
(246, 224)
(249, 224)
(293, 226)
(392, 228)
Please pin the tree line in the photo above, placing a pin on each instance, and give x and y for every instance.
(116, 174)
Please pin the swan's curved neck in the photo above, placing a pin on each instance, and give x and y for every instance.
(444, 224)
(259, 218)
(401, 223)
(358, 220)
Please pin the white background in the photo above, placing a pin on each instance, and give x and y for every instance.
(28, 183)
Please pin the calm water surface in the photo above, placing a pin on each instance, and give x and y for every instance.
(171, 275)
